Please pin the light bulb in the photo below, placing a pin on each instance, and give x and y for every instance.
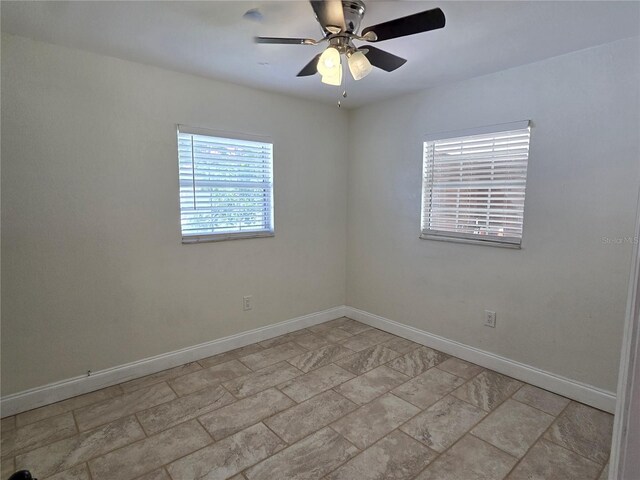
(359, 65)
(329, 62)
(334, 77)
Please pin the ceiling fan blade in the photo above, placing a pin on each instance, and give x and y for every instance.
(384, 60)
(329, 14)
(310, 68)
(285, 41)
(410, 25)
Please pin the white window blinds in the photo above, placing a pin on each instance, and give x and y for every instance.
(474, 184)
(226, 187)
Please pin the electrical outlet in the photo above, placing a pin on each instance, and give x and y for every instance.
(489, 319)
(247, 302)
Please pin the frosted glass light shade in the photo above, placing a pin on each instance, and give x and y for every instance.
(359, 65)
(334, 77)
(329, 62)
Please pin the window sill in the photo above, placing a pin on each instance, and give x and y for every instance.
(222, 237)
(473, 241)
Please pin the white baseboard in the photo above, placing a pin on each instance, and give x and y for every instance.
(573, 389)
(55, 392)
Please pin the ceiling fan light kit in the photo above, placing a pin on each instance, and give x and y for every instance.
(340, 22)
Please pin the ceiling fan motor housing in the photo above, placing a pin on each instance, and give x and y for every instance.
(353, 13)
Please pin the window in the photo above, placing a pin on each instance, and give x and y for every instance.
(474, 185)
(226, 186)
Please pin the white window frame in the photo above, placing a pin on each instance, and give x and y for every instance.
(447, 235)
(216, 237)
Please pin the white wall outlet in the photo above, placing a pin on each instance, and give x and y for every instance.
(489, 319)
(247, 302)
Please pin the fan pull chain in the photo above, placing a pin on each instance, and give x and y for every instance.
(344, 84)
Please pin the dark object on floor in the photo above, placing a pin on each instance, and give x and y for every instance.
(22, 475)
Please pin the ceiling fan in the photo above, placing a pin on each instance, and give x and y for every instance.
(340, 21)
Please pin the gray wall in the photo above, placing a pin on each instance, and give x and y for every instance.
(560, 301)
(94, 273)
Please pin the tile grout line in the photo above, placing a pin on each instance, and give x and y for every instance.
(576, 453)
(274, 432)
(556, 417)
(172, 389)
(86, 466)
(468, 431)
(315, 431)
(536, 441)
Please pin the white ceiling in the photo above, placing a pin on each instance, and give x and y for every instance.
(213, 39)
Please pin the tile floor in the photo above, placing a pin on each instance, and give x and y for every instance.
(337, 401)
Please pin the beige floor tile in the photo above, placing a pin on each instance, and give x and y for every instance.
(160, 474)
(109, 410)
(401, 345)
(260, 380)
(395, 457)
(308, 459)
(354, 328)
(37, 434)
(299, 332)
(151, 453)
(320, 357)
(167, 415)
(541, 399)
(208, 377)
(7, 468)
(275, 341)
(335, 335)
(513, 427)
(67, 405)
(8, 423)
(286, 338)
(79, 472)
(227, 457)
(69, 452)
(547, 461)
(160, 377)
(584, 430)
(367, 359)
(379, 335)
(373, 421)
(417, 361)
(311, 341)
(367, 339)
(318, 412)
(372, 384)
(460, 368)
(442, 424)
(470, 459)
(270, 356)
(428, 387)
(235, 417)
(487, 390)
(317, 381)
(230, 355)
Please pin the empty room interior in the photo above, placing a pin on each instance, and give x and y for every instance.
(328, 239)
